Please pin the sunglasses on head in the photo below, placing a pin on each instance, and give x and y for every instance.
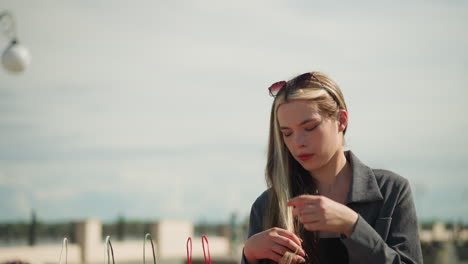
(278, 87)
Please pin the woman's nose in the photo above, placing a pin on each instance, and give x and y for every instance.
(300, 140)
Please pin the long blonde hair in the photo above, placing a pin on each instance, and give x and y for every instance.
(285, 177)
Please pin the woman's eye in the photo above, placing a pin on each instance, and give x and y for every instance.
(311, 128)
(286, 134)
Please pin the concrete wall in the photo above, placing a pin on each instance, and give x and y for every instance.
(88, 236)
(171, 237)
(40, 254)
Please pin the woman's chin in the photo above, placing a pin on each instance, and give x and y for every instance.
(310, 166)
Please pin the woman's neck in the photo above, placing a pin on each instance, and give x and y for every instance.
(335, 175)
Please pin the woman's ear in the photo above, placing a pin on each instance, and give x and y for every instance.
(343, 120)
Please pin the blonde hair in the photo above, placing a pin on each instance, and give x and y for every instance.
(285, 177)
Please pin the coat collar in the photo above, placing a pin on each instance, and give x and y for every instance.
(364, 187)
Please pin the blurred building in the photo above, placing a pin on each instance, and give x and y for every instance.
(170, 238)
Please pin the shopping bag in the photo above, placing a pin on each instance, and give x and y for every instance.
(206, 251)
(64, 245)
(148, 236)
(108, 248)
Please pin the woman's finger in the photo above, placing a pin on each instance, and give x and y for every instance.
(310, 218)
(289, 244)
(291, 236)
(283, 251)
(279, 249)
(304, 200)
(300, 259)
(304, 209)
(273, 256)
(313, 226)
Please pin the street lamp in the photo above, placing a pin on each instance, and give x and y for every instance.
(16, 57)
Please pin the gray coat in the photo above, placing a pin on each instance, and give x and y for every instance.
(386, 230)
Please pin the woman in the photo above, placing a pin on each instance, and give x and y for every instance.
(323, 203)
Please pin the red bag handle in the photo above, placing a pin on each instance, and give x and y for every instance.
(204, 238)
(189, 250)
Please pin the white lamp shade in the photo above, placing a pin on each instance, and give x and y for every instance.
(16, 57)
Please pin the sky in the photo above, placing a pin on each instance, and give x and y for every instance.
(160, 109)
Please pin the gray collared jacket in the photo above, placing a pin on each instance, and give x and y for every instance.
(386, 230)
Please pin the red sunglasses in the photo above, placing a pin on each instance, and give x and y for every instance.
(277, 87)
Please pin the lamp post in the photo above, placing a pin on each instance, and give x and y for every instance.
(16, 57)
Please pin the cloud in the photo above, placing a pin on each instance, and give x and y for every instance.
(160, 108)
(146, 186)
(15, 204)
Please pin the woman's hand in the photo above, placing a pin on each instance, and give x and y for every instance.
(319, 213)
(272, 244)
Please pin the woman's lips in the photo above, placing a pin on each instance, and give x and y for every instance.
(305, 156)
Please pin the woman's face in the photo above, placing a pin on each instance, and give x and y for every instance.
(311, 138)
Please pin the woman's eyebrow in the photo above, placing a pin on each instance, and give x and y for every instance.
(302, 123)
